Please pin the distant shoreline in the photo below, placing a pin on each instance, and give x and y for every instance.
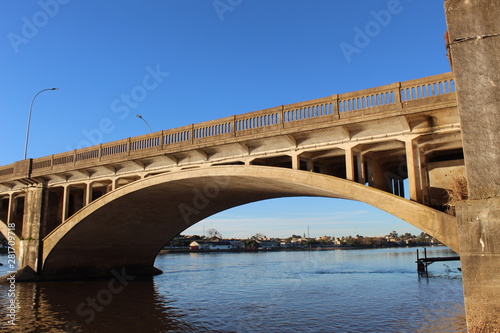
(279, 249)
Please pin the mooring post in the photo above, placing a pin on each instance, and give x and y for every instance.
(426, 264)
(420, 268)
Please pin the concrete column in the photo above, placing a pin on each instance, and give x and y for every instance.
(10, 208)
(295, 162)
(65, 203)
(412, 170)
(474, 46)
(310, 165)
(88, 193)
(349, 163)
(424, 179)
(361, 167)
(30, 239)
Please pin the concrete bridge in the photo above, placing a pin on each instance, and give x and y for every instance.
(86, 212)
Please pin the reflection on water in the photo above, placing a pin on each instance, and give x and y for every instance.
(327, 291)
(93, 307)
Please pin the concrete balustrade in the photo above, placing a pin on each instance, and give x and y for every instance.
(403, 96)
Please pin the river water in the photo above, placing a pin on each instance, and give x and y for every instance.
(375, 290)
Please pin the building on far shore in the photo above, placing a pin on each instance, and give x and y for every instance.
(214, 246)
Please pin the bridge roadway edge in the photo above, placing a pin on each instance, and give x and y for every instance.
(81, 240)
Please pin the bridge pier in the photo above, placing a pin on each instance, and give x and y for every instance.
(474, 48)
(30, 240)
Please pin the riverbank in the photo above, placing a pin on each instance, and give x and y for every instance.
(277, 249)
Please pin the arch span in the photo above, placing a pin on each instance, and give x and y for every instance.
(129, 226)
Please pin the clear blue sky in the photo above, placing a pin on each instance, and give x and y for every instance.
(188, 61)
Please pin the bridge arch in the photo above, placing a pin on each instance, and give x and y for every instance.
(129, 226)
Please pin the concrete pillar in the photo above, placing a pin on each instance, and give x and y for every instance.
(424, 179)
(349, 163)
(412, 169)
(88, 193)
(474, 46)
(10, 208)
(30, 239)
(310, 165)
(295, 161)
(360, 164)
(65, 204)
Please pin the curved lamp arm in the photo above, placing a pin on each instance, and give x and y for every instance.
(29, 120)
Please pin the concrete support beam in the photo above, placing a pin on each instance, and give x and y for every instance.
(110, 168)
(201, 153)
(295, 161)
(65, 203)
(88, 193)
(139, 163)
(346, 132)
(360, 164)
(249, 160)
(411, 166)
(171, 158)
(10, 208)
(291, 139)
(405, 124)
(423, 176)
(243, 147)
(349, 163)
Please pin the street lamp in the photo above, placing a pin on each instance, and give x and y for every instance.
(29, 120)
(140, 117)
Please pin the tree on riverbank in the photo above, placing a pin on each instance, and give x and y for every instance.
(214, 234)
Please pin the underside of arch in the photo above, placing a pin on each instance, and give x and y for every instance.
(129, 226)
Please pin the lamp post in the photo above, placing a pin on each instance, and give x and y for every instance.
(140, 117)
(29, 120)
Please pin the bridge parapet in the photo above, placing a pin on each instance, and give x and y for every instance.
(402, 97)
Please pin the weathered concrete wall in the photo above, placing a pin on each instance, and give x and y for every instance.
(479, 236)
(441, 177)
(474, 40)
(475, 52)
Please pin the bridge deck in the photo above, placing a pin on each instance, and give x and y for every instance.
(342, 111)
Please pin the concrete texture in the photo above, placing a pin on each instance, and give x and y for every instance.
(476, 65)
(479, 235)
(474, 38)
